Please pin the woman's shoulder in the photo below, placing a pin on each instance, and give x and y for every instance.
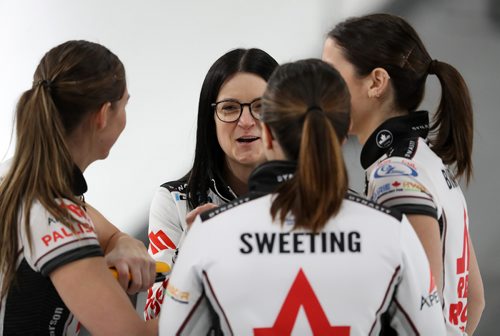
(176, 185)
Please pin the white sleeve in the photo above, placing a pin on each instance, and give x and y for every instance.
(416, 307)
(402, 184)
(54, 244)
(185, 310)
(165, 233)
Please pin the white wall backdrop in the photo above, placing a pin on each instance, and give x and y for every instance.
(167, 48)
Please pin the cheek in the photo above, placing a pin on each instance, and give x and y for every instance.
(124, 121)
(223, 131)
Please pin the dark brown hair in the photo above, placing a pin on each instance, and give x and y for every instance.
(389, 42)
(72, 80)
(209, 157)
(306, 106)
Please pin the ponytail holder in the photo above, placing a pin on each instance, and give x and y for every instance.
(46, 83)
(431, 69)
(315, 108)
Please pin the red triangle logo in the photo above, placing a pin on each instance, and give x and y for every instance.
(301, 294)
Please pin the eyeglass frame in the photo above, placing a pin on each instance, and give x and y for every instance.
(242, 106)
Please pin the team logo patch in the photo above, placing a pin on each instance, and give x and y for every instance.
(395, 169)
(384, 138)
(302, 295)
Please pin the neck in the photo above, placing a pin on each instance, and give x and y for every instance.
(376, 119)
(79, 152)
(236, 177)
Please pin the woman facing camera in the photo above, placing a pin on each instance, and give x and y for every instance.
(300, 253)
(228, 148)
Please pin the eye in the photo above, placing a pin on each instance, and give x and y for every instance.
(229, 107)
(257, 106)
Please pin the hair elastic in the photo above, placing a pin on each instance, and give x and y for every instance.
(315, 108)
(46, 83)
(431, 69)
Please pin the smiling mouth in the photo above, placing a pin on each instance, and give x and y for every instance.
(247, 139)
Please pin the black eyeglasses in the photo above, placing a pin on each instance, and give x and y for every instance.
(230, 110)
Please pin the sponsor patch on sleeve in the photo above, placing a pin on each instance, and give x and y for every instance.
(389, 168)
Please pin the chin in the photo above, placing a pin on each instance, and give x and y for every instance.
(252, 161)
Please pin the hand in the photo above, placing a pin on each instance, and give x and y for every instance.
(195, 212)
(136, 269)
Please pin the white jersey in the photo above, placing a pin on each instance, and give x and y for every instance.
(32, 305)
(167, 227)
(240, 273)
(404, 173)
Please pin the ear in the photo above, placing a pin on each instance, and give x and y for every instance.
(267, 136)
(102, 115)
(379, 83)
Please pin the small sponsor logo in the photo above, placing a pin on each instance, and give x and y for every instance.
(180, 197)
(177, 294)
(420, 127)
(284, 177)
(62, 233)
(395, 169)
(383, 189)
(384, 138)
(55, 319)
(432, 298)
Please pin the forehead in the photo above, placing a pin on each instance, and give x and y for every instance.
(242, 86)
(332, 53)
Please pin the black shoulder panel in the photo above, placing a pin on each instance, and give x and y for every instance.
(405, 148)
(231, 205)
(179, 185)
(361, 200)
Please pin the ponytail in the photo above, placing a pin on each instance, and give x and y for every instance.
(41, 170)
(452, 126)
(317, 190)
(72, 80)
(307, 107)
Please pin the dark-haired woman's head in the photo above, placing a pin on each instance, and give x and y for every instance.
(306, 116)
(385, 65)
(228, 134)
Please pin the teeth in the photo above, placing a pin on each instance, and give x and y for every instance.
(247, 139)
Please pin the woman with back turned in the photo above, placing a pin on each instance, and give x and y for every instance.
(299, 239)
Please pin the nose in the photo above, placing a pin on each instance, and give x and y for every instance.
(246, 120)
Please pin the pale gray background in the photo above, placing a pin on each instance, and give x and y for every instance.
(167, 47)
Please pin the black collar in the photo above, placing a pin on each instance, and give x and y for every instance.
(391, 132)
(220, 188)
(266, 177)
(78, 185)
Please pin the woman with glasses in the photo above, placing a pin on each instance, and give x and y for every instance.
(300, 254)
(413, 164)
(228, 148)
